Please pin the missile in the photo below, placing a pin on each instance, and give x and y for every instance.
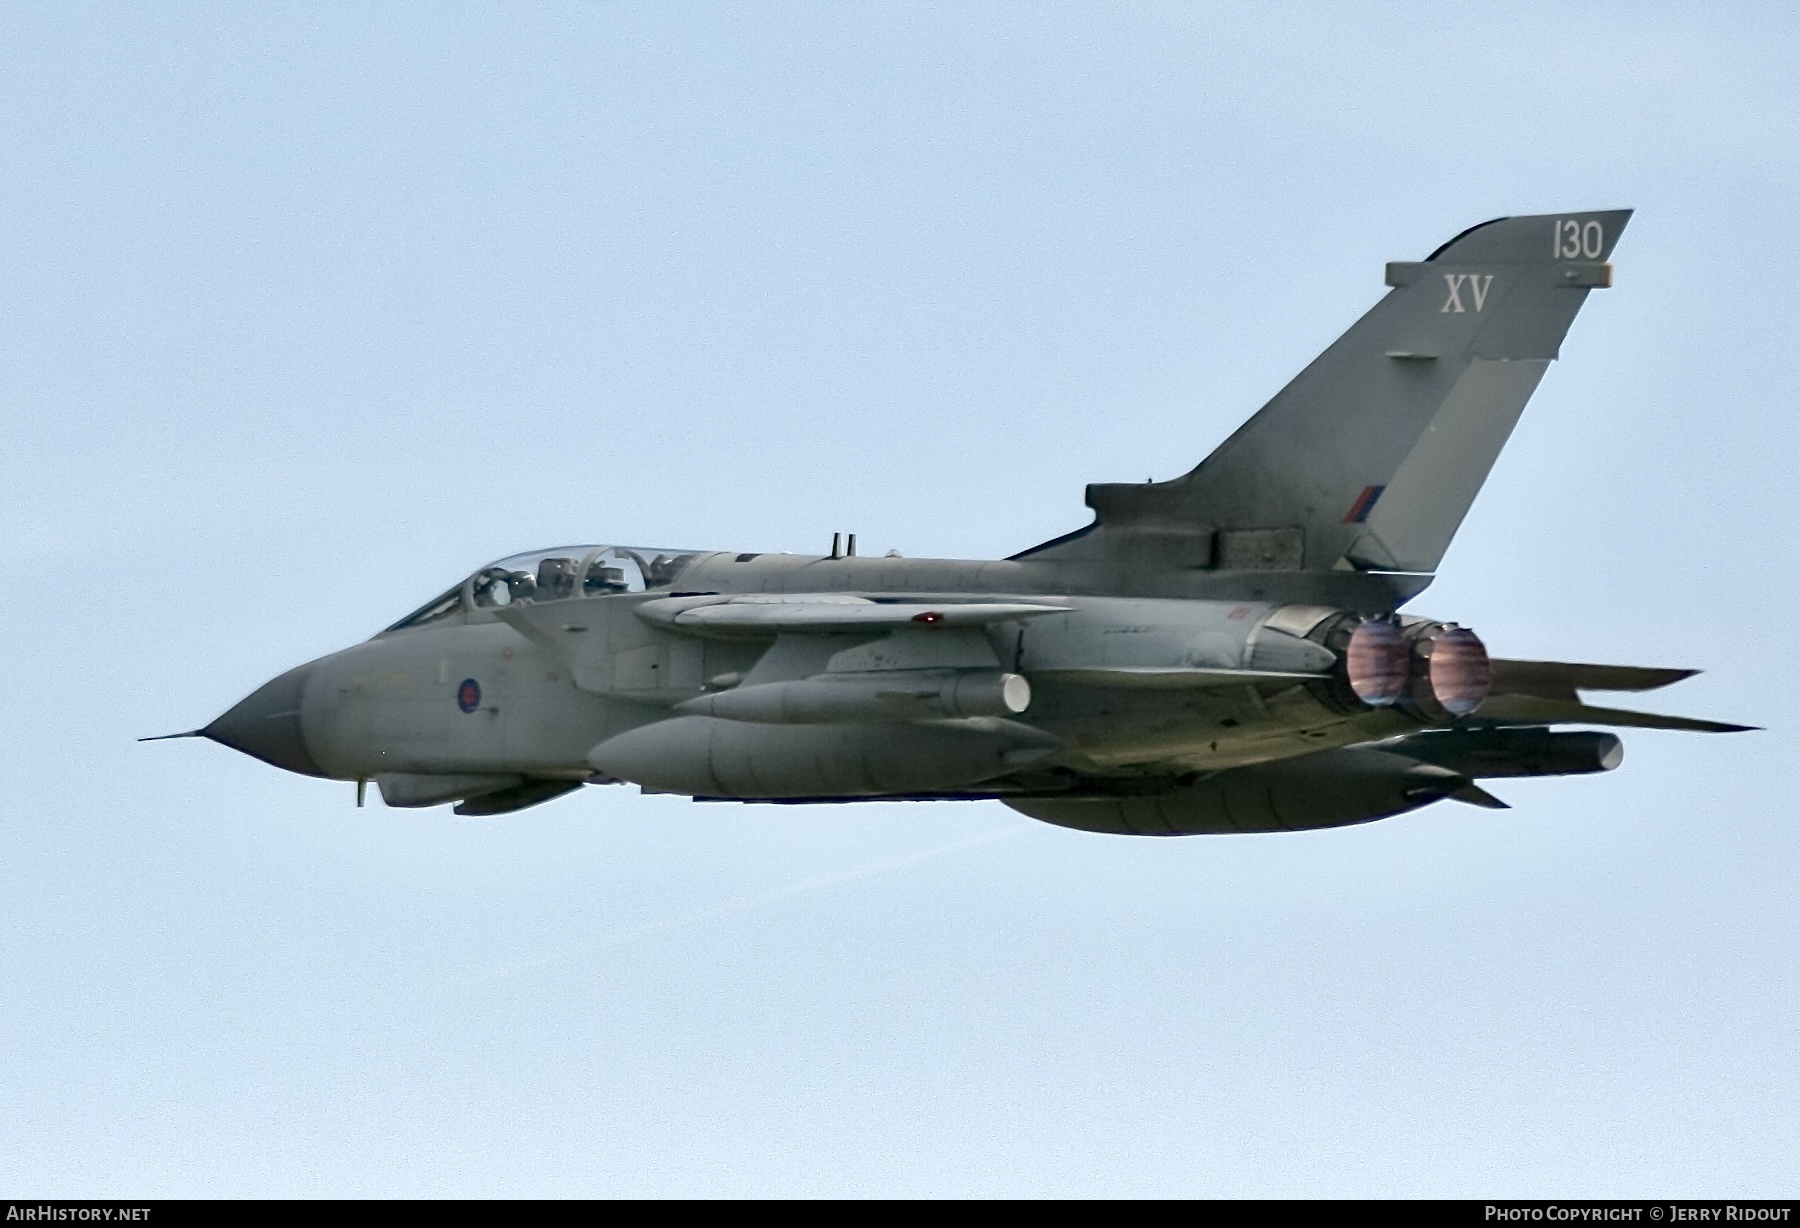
(893, 695)
(1483, 754)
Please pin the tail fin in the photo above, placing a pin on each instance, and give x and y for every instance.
(1371, 457)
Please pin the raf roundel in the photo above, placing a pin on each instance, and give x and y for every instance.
(468, 695)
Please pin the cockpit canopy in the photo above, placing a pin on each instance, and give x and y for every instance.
(554, 575)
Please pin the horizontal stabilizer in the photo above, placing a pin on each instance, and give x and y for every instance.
(1561, 680)
(1531, 709)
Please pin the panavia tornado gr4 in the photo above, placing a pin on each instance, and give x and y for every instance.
(1223, 652)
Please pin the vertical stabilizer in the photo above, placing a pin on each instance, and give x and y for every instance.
(1371, 457)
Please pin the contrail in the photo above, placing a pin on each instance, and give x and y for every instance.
(651, 929)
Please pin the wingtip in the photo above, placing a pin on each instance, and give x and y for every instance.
(164, 737)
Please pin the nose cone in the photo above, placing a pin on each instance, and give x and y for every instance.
(266, 725)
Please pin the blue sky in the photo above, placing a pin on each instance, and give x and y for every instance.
(310, 309)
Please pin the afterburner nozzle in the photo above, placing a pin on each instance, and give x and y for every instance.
(1435, 670)
(1458, 670)
(1377, 660)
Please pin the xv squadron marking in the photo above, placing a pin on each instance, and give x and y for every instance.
(1477, 283)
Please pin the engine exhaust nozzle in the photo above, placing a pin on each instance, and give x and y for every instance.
(1458, 670)
(1377, 660)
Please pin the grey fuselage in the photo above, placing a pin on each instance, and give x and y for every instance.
(595, 669)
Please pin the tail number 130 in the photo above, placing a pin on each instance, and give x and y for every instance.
(1574, 240)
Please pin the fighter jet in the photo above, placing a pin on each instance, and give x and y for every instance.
(1223, 652)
